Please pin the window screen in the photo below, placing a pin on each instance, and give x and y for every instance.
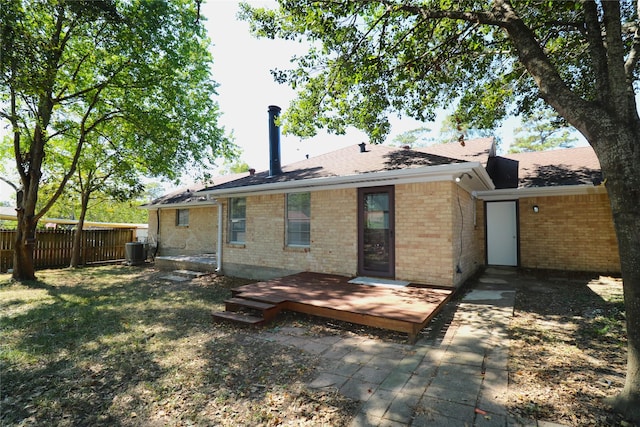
(237, 220)
(182, 217)
(299, 219)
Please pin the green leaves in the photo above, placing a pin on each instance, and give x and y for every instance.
(368, 59)
(133, 78)
(542, 131)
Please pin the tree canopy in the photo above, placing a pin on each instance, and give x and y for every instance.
(371, 59)
(132, 75)
(485, 60)
(413, 138)
(542, 131)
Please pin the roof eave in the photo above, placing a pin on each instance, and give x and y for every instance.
(371, 179)
(525, 192)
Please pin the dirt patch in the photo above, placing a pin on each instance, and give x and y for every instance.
(568, 351)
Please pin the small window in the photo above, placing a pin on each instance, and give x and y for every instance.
(299, 219)
(182, 217)
(237, 219)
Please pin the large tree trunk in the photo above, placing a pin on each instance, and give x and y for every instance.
(612, 127)
(76, 250)
(27, 199)
(620, 161)
(24, 245)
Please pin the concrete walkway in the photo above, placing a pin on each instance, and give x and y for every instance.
(459, 379)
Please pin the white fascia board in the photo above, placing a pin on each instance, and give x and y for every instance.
(185, 205)
(519, 193)
(485, 180)
(372, 179)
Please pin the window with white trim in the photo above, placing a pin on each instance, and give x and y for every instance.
(298, 221)
(237, 219)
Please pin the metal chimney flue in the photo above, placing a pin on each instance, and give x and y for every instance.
(274, 141)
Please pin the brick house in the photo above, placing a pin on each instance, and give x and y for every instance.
(432, 215)
(563, 217)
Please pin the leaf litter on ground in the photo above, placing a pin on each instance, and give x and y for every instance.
(119, 345)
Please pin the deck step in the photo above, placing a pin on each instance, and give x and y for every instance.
(242, 302)
(268, 311)
(238, 317)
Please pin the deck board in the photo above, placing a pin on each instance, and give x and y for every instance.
(405, 309)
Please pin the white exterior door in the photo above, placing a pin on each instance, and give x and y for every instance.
(502, 233)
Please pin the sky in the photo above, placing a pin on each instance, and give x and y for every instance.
(242, 65)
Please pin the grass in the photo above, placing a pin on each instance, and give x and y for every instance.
(118, 345)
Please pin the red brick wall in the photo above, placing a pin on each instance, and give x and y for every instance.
(468, 250)
(424, 233)
(334, 239)
(429, 231)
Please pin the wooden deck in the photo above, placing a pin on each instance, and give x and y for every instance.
(407, 309)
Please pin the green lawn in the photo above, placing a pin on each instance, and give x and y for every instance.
(119, 346)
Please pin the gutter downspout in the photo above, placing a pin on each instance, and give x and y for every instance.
(219, 243)
(155, 252)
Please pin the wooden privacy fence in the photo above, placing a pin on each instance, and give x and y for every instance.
(53, 247)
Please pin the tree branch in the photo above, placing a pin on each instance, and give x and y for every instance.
(596, 49)
(74, 75)
(370, 30)
(74, 163)
(549, 82)
(488, 18)
(15, 187)
(60, 132)
(634, 55)
(17, 152)
(621, 96)
(80, 92)
(79, 65)
(435, 65)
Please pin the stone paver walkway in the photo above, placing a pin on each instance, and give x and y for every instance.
(458, 380)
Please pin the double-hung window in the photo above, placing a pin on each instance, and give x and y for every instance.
(299, 219)
(237, 219)
(182, 217)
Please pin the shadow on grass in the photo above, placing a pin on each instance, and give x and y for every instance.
(76, 341)
(595, 309)
(568, 336)
(244, 366)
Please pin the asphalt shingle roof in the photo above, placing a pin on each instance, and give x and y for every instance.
(188, 194)
(473, 150)
(351, 161)
(568, 166)
(571, 166)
